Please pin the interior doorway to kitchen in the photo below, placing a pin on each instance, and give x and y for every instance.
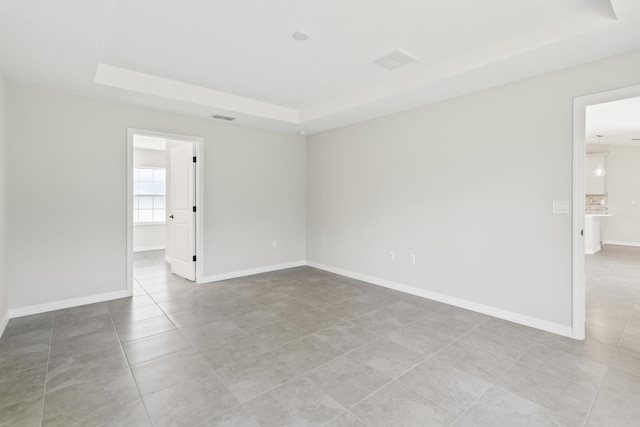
(603, 262)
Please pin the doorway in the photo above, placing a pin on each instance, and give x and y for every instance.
(164, 206)
(579, 220)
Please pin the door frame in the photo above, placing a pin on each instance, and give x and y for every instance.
(198, 143)
(579, 290)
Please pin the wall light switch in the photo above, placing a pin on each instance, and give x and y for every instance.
(561, 206)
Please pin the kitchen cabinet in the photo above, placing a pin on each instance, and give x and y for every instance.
(592, 232)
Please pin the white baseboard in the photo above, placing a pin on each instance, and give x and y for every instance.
(59, 305)
(588, 252)
(167, 258)
(250, 272)
(149, 248)
(446, 299)
(620, 243)
(3, 323)
(533, 322)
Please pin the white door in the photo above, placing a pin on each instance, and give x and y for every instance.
(182, 215)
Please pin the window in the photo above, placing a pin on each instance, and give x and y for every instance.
(149, 191)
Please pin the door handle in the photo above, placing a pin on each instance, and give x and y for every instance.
(171, 216)
(581, 231)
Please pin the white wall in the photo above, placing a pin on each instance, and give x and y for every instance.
(4, 288)
(149, 236)
(467, 185)
(68, 192)
(623, 185)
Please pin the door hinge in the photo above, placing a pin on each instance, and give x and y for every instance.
(194, 258)
(194, 159)
(194, 208)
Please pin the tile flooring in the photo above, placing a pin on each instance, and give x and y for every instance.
(303, 347)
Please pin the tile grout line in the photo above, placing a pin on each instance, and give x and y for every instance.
(78, 423)
(291, 380)
(493, 384)
(46, 373)
(413, 367)
(213, 371)
(129, 368)
(617, 348)
(604, 377)
(295, 378)
(586, 418)
(240, 404)
(348, 354)
(269, 350)
(346, 411)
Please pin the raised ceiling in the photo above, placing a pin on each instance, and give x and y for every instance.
(238, 58)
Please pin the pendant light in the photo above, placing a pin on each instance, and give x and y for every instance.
(599, 170)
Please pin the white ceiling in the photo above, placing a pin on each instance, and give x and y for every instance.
(238, 58)
(149, 143)
(618, 122)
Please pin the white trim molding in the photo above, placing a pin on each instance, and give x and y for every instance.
(621, 243)
(250, 272)
(3, 323)
(457, 302)
(122, 78)
(59, 305)
(149, 248)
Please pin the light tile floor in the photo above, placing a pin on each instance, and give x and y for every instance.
(308, 348)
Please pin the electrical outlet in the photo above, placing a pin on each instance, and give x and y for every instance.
(412, 258)
(392, 255)
(274, 244)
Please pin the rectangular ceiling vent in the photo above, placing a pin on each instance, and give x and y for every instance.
(221, 117)
(396, 59)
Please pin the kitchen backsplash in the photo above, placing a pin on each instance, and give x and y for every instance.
(596, 203)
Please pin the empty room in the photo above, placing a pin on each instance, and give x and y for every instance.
(319, 213)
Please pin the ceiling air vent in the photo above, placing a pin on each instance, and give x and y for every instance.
(221, 117)
(396, 59)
